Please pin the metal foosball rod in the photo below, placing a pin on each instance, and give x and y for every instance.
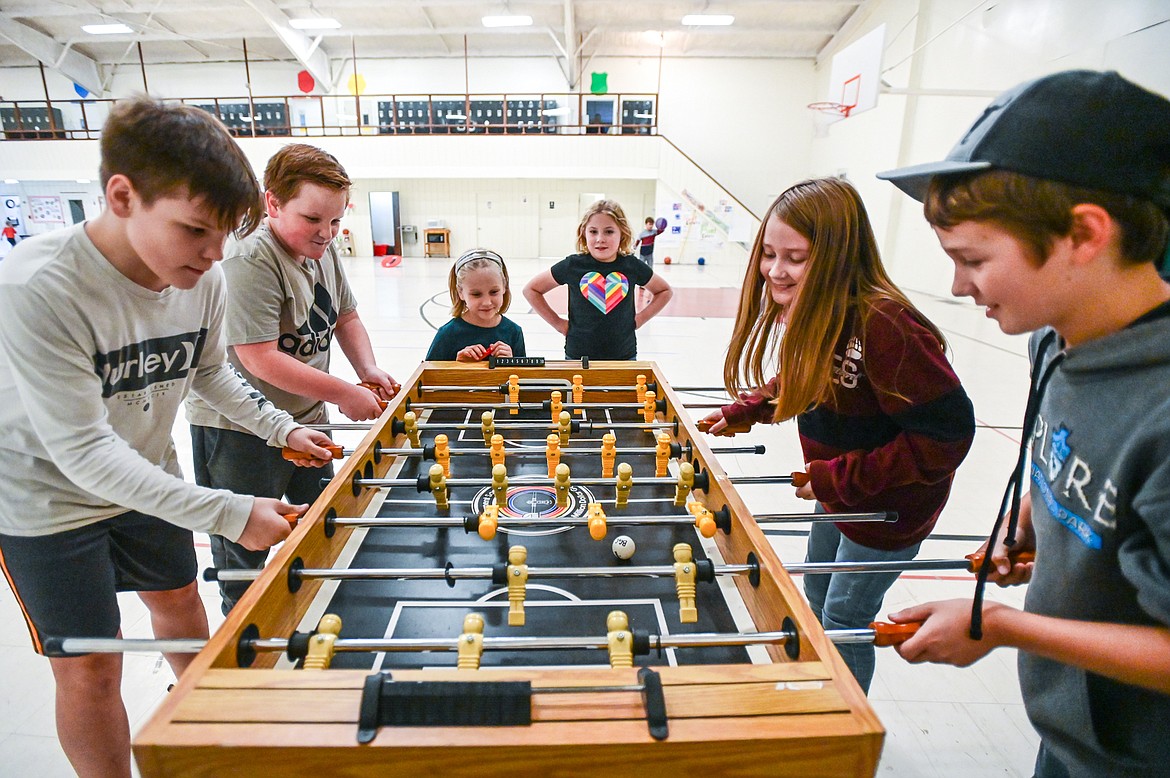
(428, 451)
(544, 406)
(881, 634)
(763, 519)
(537, 480)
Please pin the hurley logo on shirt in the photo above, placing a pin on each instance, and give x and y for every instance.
(316, 332)
(139, 365)
(1075, 495)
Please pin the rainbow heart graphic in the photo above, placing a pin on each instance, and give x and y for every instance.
(605, 292)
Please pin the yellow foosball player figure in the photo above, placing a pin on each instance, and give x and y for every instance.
(621, 641)
(489, 521)
(556, 405)
(487, 423)
(497, 450)
(608, 454)
(320, 654)
(439, 487)
(649, 411)
(684, 582)
(596, 516)
(500, 484)
(578, 395)
(552, 454)
(686, 482)
(640, 387)
(561, 484)
(410, 424)
(517, 584)
(704, 519)
(625, 482)
(514, 394)
(470, 642)
(564, 427)
(443, 453)
(661, 454)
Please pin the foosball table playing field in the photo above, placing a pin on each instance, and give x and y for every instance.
(522, 570)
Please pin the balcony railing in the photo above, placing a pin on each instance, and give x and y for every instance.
(330, 115)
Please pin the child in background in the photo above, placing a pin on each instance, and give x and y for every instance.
(601, 278)
(883, 419)
(646, 240)
(480, 295)
(104, 327)
(288, 303)
(1053, 208)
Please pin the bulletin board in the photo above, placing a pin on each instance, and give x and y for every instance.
(45, 208)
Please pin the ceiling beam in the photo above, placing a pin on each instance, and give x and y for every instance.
(302, 47)
(72, 64)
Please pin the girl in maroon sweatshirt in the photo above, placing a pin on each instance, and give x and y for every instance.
(883, 419)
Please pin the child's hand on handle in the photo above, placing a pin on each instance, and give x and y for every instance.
(803, 486)
(316, 448)
(500, 349)
(943, 637)
(381, 383)
(360, 403)
(267, 524)
(1010, 567)
(473, 353)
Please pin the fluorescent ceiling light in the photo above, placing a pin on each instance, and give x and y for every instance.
(11, 181)
(507, 21)
(83, 180)
(314, 23)
(106, 29)
(708, 20)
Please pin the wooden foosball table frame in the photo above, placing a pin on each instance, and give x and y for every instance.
(801, 717)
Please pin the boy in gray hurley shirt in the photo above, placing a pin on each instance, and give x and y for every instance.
(104, 328)
(288, 304)
(1053, 208)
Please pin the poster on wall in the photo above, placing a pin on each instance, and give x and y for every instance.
(44, 208)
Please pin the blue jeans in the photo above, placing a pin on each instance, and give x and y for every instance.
(849, 600)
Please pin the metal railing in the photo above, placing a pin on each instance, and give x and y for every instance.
(391, 114)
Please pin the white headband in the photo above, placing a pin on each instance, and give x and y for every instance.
(474, 254)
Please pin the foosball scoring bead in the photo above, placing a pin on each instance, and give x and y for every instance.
(623, 547)
(552, 454)
(488, 424)
(500, 484)
(596, 515)
(489, 521)
(410, 423)
(578, 395)
(623, 484)
(470, 642)
(514, 394)
(497, 450)
(443, 453)
(439, 486)
(320, 651)
(621, 642)
(561, 483)
(686, 482)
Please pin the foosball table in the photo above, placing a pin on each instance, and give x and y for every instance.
(521, 570)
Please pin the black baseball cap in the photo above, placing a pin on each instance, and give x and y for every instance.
(1082, 127)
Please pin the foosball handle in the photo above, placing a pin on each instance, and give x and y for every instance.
(292, 518)
(292, 454)
(887, 634)
(1018, 558)
(799, 479)
(375, 389)
(731, 429)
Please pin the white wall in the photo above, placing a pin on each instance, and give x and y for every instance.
(978, 49)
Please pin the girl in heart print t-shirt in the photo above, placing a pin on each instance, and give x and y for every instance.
(601, 282)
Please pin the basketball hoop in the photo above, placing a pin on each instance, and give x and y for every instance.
(831, 108)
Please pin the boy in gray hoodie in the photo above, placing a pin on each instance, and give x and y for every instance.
(1053, 208)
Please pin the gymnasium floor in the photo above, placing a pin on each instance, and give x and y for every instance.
(940, 721)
